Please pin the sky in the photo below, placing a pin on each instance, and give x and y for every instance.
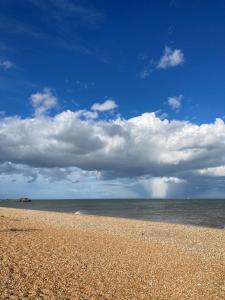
(112, 99)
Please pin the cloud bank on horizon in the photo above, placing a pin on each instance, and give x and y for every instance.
(165, 157)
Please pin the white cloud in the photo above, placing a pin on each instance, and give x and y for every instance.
(6, 64)
(43, 102)
(144, 145)
(89, 114)
(215, 172)
(105, 106)
(168, 154)
(171, 58)
(160, 114)
(175, 102)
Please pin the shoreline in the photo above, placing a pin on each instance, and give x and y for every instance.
(94, 257)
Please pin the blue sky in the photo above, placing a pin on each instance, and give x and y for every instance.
(109, 63)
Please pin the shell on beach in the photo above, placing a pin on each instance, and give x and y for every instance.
(78, 213)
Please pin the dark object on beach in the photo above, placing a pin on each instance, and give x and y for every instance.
(24, 199)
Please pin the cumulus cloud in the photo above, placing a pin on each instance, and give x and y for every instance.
(171, 58)
(167, 154)
(6, 64)
(138, 146)
(43, 102)
(175, 102)
(105, 106)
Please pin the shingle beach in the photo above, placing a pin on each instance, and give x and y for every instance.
(48, 255)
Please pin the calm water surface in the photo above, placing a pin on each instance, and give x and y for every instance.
(210, 212)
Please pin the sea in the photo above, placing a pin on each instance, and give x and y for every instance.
(197, 212)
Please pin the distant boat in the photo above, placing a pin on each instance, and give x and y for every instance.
(24, 199)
